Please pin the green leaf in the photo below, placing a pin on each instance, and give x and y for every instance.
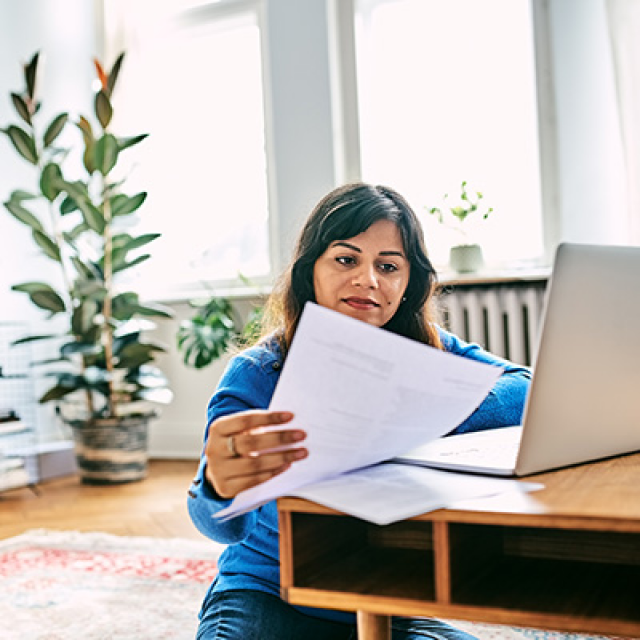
(23, 143)
(23, 215)
(30, 287)
(103, 109)
(57, 392)
(54, 129)
(30, 73)
(125, 143)
(120, 342)
(68, 205)
(121, 266)
(91, 289)
(106, 153)
(205, 345)
(42, 295)
(19, 195)
(48, 246)
(80, 347)
(49, 301)
(124, 305)
(86, 272)
(140, 241)
(113, 75)
(21, 107)
(85, 126)
(459, 212)
(82, 319)
(153, 309)
(51, 181)
(78, 190)
(72, 235)
(122, 205)
(92, 216)
(39, 363)
(89, 157)
(27, 339)
(136, 354)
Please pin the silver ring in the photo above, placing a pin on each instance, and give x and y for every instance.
(231, 446)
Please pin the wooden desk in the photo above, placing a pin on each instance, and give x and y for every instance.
(566, 557)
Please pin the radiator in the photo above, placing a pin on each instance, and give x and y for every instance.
(504, 318)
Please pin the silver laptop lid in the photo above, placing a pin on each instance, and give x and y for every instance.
(584, 402)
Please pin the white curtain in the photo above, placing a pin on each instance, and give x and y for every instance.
(624, 27)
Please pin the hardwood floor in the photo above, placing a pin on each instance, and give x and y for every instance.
(153, 507)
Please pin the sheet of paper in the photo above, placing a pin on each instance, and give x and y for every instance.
(364, 395)
(387, 493)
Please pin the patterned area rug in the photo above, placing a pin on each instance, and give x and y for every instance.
(490, 632)
(95, 586)
(58, 585)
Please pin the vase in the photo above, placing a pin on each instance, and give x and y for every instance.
(111, 450)
(466, 258)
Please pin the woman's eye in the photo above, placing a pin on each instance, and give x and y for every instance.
(388, 267)
(346, 260)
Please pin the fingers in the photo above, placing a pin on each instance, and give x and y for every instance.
(247, 448)
(246, 472)
(245, 420)
(251, 433)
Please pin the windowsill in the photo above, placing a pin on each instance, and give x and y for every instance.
(494, 276)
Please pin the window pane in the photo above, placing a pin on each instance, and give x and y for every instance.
(447, 93)
(198, 92)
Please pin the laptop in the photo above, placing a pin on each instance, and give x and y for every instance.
(584, 399)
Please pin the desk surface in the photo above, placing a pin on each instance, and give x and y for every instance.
(566, 557)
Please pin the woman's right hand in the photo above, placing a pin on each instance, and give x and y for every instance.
(242, 454)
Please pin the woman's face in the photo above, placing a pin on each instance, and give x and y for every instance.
(365, 276)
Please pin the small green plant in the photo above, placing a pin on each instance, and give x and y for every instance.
(214, 328)
(82, 224)
(468, 205)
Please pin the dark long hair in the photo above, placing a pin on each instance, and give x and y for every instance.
(344, 213)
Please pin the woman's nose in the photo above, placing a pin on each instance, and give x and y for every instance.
(366, 277)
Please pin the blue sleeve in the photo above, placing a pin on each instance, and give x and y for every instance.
(504, 405)
(247, 383)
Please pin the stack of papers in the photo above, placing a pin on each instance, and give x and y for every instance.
(364, 396)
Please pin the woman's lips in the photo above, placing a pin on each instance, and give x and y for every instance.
(361, 303)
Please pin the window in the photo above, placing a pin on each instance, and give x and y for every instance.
(192, 80)
(446, 94)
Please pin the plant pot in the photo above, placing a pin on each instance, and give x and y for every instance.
(111, 450)
(466, 258)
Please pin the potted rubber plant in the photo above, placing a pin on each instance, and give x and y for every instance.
(465, 256)
(104, 381)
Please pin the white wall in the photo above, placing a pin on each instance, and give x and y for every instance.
(590, 168)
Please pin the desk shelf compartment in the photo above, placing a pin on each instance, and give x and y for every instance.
(347, 555)
(546, 571)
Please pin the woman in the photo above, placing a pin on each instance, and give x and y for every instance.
(361, 252)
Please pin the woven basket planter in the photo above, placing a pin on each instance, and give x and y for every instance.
(112, 450)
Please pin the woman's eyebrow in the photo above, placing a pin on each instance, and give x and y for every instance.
(347, 245)
(392, 253)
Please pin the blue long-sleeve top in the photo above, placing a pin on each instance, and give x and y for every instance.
(251, 559)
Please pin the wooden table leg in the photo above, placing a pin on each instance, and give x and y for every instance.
(373, 626)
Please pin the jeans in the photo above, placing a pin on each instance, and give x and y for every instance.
(253, 615)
